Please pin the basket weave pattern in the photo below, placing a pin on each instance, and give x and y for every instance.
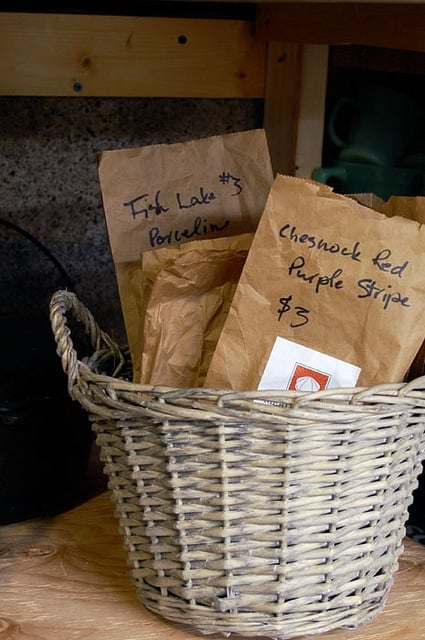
(254, 513)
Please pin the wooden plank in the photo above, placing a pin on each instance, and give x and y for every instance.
(281, 106)
(396, 26)
(86, 55)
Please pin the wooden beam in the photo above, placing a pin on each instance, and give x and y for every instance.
(87, 55)
(282, 103)
(396, 26)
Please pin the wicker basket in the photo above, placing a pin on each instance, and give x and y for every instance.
(254, 513)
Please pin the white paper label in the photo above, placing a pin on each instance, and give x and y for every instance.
(292, 366)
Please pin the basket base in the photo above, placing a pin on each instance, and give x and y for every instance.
(286, 627)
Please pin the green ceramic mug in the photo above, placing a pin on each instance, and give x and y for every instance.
(350, 177)
(384, 123)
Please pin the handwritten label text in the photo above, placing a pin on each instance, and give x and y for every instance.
(149, 205)
(200, 227)
(382, 265)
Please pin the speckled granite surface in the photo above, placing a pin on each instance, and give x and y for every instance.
(49, 186)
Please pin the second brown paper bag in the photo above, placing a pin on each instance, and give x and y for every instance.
(327, 274)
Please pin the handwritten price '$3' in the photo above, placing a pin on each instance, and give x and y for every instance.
(297, 315)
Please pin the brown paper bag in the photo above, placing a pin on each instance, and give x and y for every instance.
(368, 200)
(192, 286)
(331, 277)
(412, 208)
(168, 194)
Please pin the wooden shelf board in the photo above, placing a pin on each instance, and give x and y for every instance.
(86, 55)
(398, 26)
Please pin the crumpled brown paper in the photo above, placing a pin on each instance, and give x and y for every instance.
(191, 290)
(332, 275)
(412, 207)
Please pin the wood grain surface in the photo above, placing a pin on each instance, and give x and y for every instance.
(128, 56)
(65, 578)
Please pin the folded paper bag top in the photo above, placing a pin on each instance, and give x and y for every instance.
(332, 276)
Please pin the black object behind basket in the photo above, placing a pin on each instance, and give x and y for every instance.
(45, 437)
(416, 521)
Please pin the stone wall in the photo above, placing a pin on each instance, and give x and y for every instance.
(49, 186)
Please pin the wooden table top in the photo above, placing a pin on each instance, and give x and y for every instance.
(65, 578)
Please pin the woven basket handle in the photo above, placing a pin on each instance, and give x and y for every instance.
(62, 303)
